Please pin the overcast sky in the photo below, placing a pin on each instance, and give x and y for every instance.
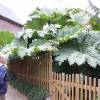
(22, 8)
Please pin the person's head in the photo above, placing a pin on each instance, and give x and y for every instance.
(3, 58)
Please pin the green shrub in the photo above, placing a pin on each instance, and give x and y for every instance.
(5, 37)
(33, 92)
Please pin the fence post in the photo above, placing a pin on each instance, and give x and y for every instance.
(94, 85)
(50, 73)
(63, 85)
(90, 84)
(81, 76)
(99, 89)
(66, 82)
(54, 86)
(85, 87)
(72, 86)
(77, 87)
(69, 87)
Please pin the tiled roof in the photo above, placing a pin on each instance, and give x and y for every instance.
(9, 14)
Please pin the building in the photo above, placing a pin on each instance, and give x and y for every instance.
(9, 21)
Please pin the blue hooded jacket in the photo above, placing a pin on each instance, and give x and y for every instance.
(3, 79)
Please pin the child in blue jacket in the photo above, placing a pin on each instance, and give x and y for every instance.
(3, 77)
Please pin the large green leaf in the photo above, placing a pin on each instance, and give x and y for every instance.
(82, 50)
(38, 19)
(95, 22)
(5, 37)
(36, 23)
(19, 42)
(37, 42)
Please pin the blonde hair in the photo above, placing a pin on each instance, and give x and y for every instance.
(3, 58)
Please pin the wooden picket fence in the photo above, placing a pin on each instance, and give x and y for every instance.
(74, 87)
(38, 70)
(35, 70)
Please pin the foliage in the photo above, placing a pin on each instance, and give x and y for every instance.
(81, 50)
(33, 92)
(85, 69)
(95, 22)
(95, 19)
(5, 37)
(21, 46)
(72, 33)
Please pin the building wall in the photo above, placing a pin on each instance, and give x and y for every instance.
(9, 26)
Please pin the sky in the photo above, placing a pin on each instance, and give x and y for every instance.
(22, 8)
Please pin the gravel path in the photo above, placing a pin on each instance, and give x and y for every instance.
(13, 94)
